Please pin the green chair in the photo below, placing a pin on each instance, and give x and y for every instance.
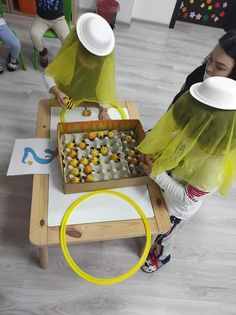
(21, 58)
(51, 34)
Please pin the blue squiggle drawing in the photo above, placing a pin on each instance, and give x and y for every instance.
(46, 160)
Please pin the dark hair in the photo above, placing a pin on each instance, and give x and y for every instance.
(228, 43)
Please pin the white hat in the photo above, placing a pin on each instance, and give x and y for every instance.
(95, 34)
(218, 92)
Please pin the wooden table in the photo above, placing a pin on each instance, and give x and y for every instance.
(42, 236)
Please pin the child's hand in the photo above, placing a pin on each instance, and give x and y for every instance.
(103, 114)
(59, 96)
(61, 99)
(146, 164)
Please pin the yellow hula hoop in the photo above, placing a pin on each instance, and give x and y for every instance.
(76, 268)
(121, 111)
(119, 108)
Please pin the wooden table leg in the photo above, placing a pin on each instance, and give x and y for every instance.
(43, 257)
(152, 241)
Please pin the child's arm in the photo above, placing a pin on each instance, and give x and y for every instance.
(184, 193)
(60, 96)
(52, 88)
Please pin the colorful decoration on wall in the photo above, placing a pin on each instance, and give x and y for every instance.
(207, 12)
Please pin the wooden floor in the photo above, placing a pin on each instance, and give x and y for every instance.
(152, 62)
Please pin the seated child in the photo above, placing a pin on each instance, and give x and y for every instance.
(9, 37)
(49, 16)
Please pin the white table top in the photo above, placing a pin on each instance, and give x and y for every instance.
(99, 208)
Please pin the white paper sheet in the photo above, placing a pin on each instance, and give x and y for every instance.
(100, 208)
(33, 156)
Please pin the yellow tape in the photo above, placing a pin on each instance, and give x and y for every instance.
(76, 268)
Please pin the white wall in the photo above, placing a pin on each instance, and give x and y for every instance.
(126, 9)
(87, 4)
(124, 15)
(158, 11)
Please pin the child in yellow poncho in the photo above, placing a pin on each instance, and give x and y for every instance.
(190, 153)
(84, 67)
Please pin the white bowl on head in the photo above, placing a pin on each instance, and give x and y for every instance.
(217, 92)
(95, 34)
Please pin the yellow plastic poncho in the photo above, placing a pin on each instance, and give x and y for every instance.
(196, 142)
(82, 75)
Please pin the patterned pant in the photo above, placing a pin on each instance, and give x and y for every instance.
(40, 26)
(164, 242)
(9, 37)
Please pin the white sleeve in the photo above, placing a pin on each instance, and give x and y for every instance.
(187, 194)
(104, 106)
(49, 82)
